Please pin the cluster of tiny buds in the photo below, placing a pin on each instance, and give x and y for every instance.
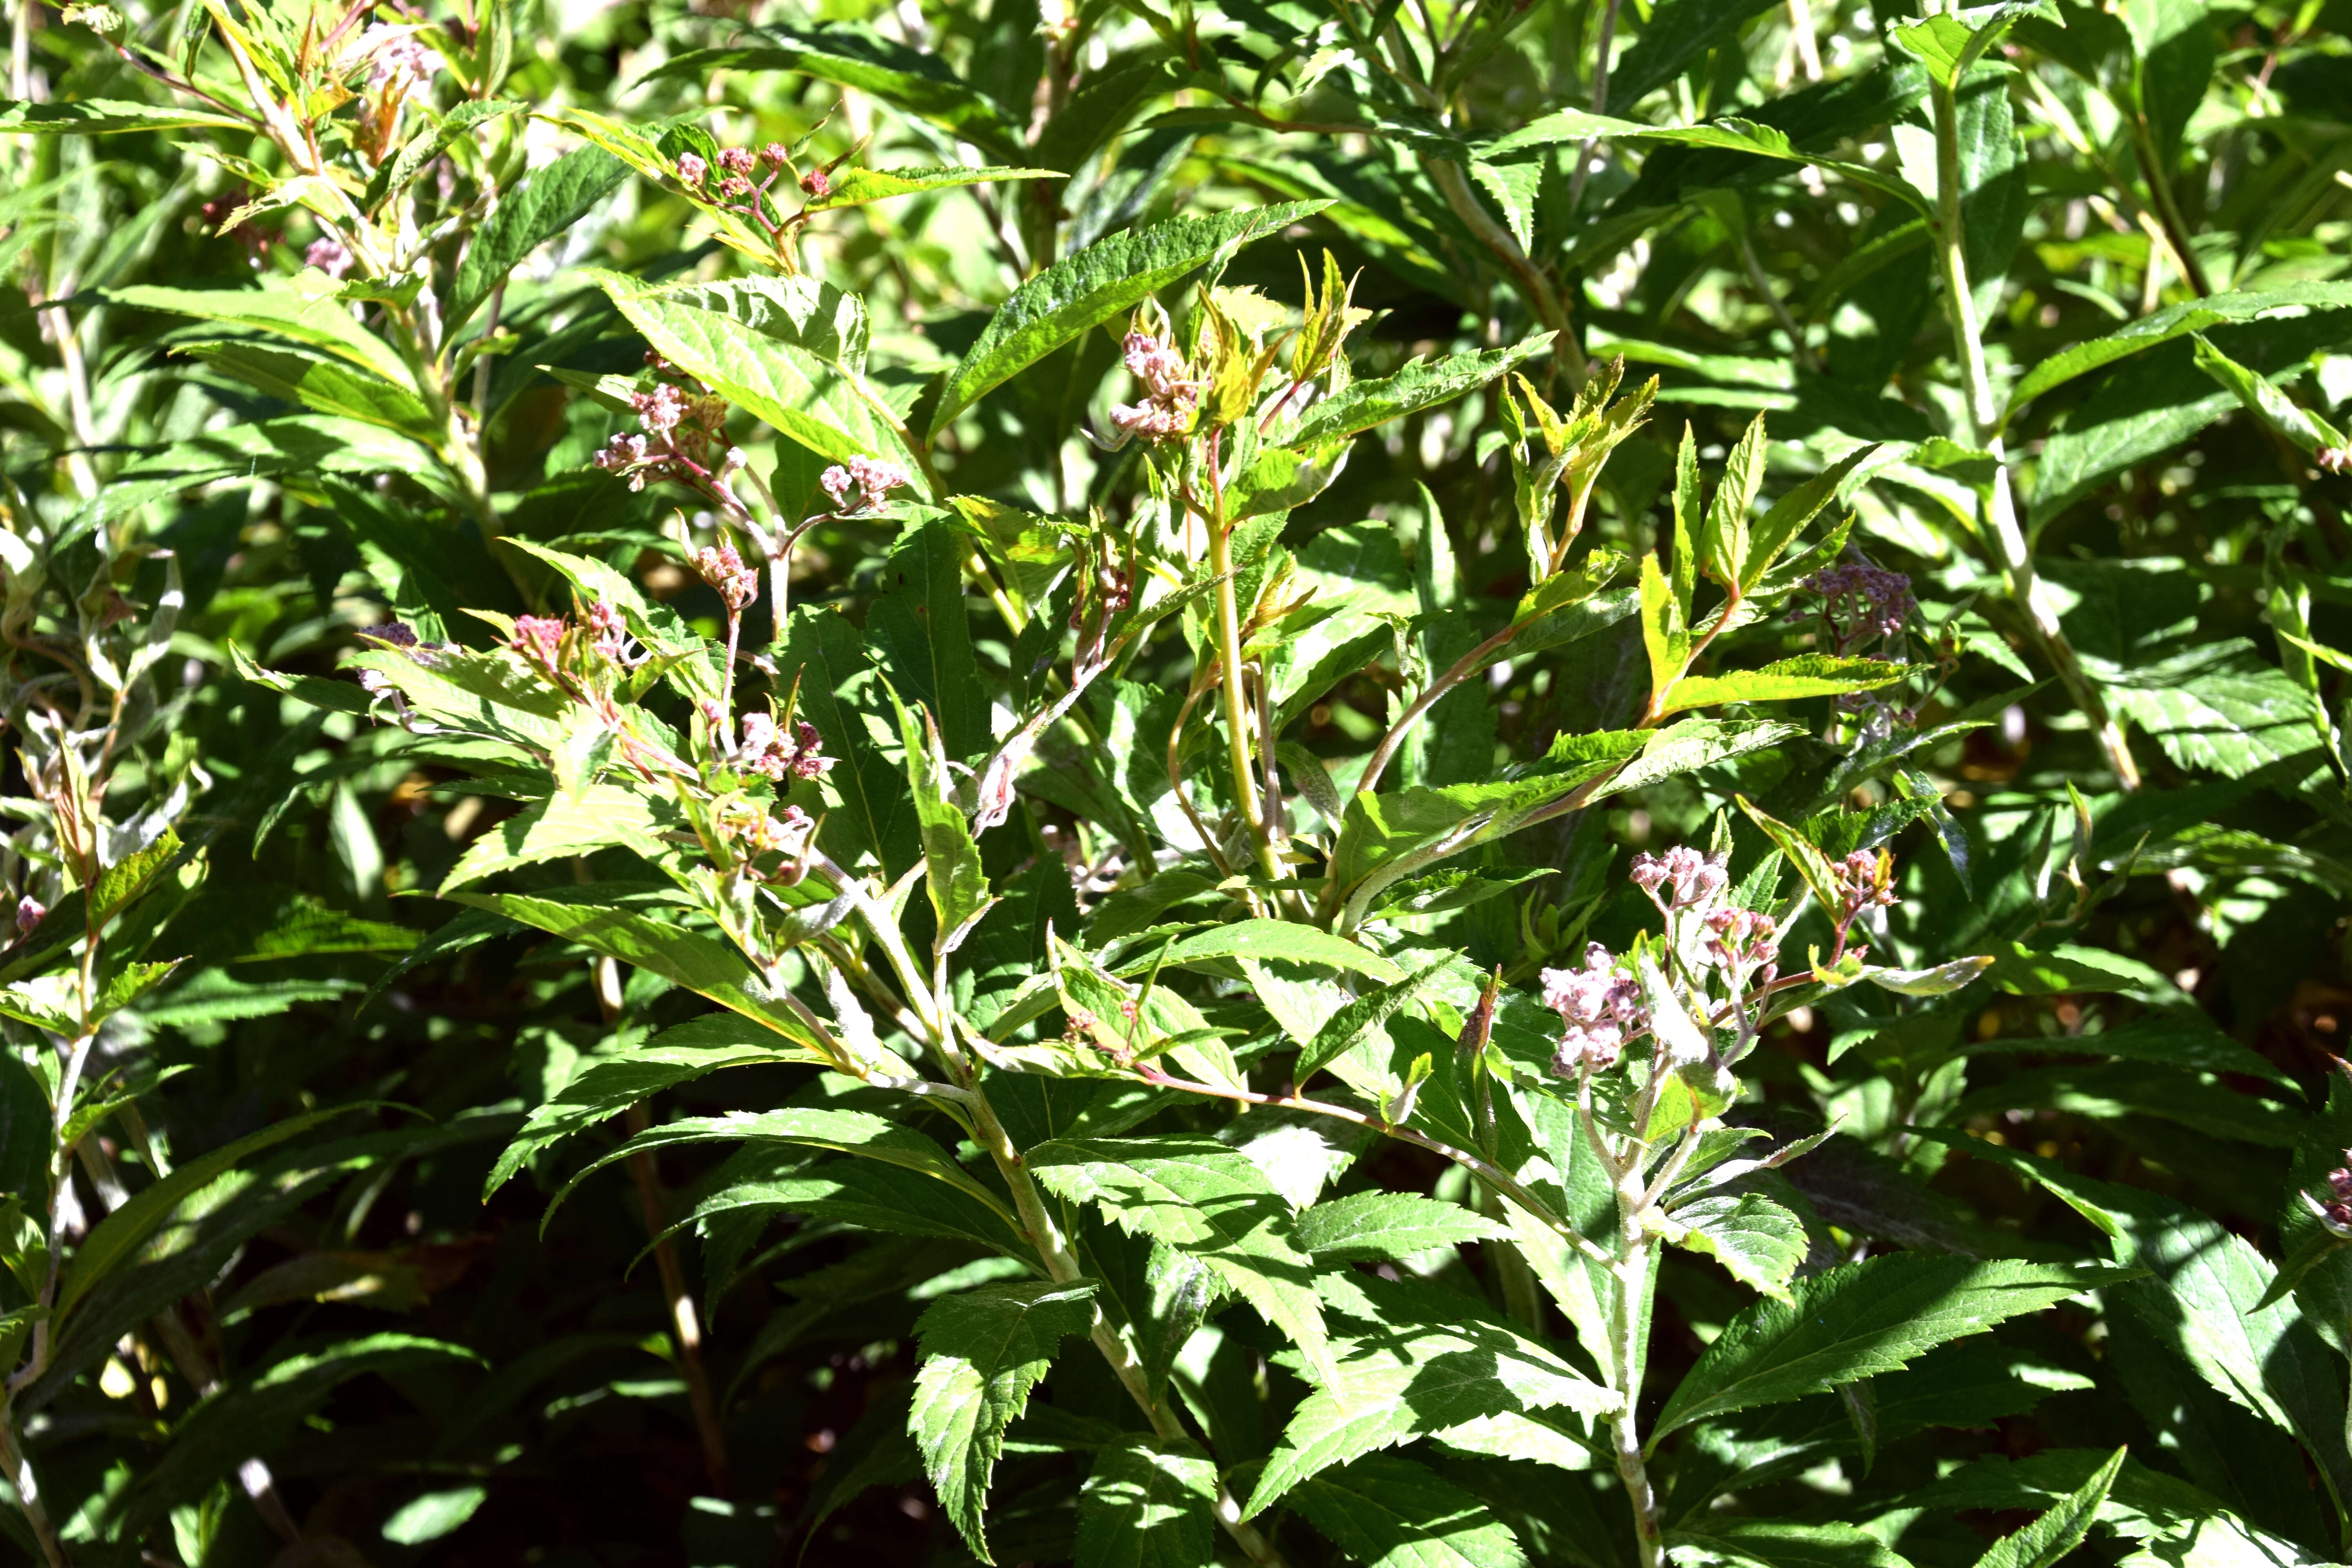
(1864, 879)
(1739, 938)
(329, 255)
(724, 570)
(1598, 1007)
(1697, 879)
(872, 480)
(768, 751)
(1873, 601)
(2335, 1214)
(2336, 459)
(763, 835)
(735, 166)
(1171, 393)
(30, 913)
(680, 436)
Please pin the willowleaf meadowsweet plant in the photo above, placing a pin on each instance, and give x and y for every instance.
(1456, 786)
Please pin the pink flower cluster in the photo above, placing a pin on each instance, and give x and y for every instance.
(30, 913)
(1863, 602)
(872, 480)
(2335, 1214)
(1599, 1006)
(1741, 938)
(1695, 880)
(329, 255)
(1170, 393)
(681, 436)
(768, 751)
(723, 568)
(396, 61)
(763, 835)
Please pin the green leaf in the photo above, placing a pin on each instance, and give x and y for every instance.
(2308, 431)
(1363, 1018)
(2185, 1523)
(1757, 1242)
(2046, 1541)
(1414, 1360)
(97, 116)
(2222, 707)
(1948, 43)
(605, 1086)
(1785, 680)
(856, 187)
(789, 352)
(983, 1352)
(1776, 1543)
(1423, 383)
(1106, 279)
(2197, 1100)
(1863, 1318)
(1689, 745)
(1268, 939)
(766, 1179)
(1787, 517)
(1723, 546)
(1147, 1502)
(953, 875)
(858, 56)
(397, 175)
(563, 826)
(2164, 325)
(24, 1134)
(700, 964)
(1207, 1199)
(320, 381)
(1389, 1227)
(246, 1419)
(1389, 1513)
(550, 201)
(1678, 33)
(116, 1237)
(323, 321)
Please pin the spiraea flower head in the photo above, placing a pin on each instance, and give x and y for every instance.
(1739, 940)
(1172, 393)
(30, 913)
(737, 160)
(1599, 1006)
(873, 480)
(692, 169)
(539, 640)
(721, 566)
(2335, 1210)
(329, 255)
(1864, 880)
(1862, 602)
(1689, 879)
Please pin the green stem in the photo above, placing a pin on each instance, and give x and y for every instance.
(28, 1493)
(2011, 552)
(1229, 648)
(1628, 1316)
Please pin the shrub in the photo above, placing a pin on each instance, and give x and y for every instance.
(1448, 785)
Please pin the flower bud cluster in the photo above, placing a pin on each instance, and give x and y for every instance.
(1599, 1006)
(1693, 880)
(721, 566)
(742, 182)
(1863, 880)
(872, 480)
(2335, 1214)
(329, 255)
(30, 913)
(1172, 393)
(768, 751)
(2336, 459)
(1862, 603)
(1738, 940)
(681, 436)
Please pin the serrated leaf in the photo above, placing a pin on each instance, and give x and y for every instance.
(1106, 279)
(1785, 680)
(1147, 1502)
(550, 201)
(856, 187)
(1362, 1019)
(559, 827)
(1208, 1199)
(321, 320)
(1423, 383)
(1863, 1318)
(1263, 939)
(1413, 1360)
(1388, 1228)
(1757, 1242)
(2046, 1542)
(1389, 1513)
(983, 1352)
(1776, 1543)
(99, 116)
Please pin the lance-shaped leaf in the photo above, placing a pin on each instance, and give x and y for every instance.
(1757, 1242)
(951, 869)
(599, 817)
(858, 1133)
(1108, 278)
(1388, 1511)
(771, 1179)
(550, 201)
(789, 352)
(1863, 1318)
(1270, 940)
(99, 116)
(1948, 43)
(1148, 1503)
(1424, 384)
(1388, 1228)
(983, 1352)
(2046, 1542)
(858, 57)
(320, 381)
(1414, 1360)
(1363, 1018)
(323, 321)
(1776, 1543)
(856, 187)
(1206, 1198)
(1784, 680)
(703, 965)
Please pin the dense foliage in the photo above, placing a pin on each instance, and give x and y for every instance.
(1457, 784)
